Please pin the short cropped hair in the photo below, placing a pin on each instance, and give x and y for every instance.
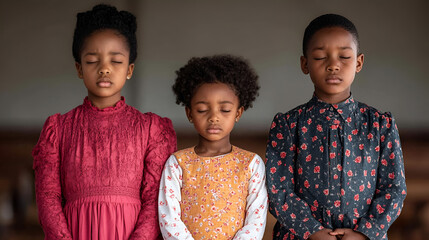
(327, 21)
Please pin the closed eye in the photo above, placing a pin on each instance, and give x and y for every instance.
(319, 58)
(345, 57)
(118, 62)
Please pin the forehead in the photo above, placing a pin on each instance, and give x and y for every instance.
(105, 40)
(208, 92)
(332, 37)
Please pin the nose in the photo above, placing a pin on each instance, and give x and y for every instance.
(333, 65)
(213, 118)
(104, 70)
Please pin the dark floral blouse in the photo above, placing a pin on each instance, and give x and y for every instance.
(334, 166)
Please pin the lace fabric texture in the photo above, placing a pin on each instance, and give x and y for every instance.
(97, 172)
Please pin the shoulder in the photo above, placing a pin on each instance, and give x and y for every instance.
(244, 154)
(183, 152)
(374, 113)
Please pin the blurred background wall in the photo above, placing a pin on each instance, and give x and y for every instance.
(38, 78)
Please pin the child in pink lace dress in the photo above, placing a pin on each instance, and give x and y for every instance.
(98, 166)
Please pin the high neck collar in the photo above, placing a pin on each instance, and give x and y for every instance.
(344, 108)
(117, 107)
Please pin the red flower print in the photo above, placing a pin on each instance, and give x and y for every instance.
(279, 136)
(283, 154)
(273, 125)
(388, 218)
(382, 226)
(321, 148)
(392, 175)
(348, 152)
(355, 132)
(384, 162)
(290, 169)
(368, 159)
(274, 190)
(337, 122)
(368, 201)
(332, 155)
(319, 128)
(300, 111)
(339, 167)
(368, 185)
(304, 146)
(299, 171)
(377, 149)
(316, 186)
(376, 125)
(350, 173)
(387, 196)
(392, 156)
(292, 215)
(306, 235)
(326, 192)
(309, 121)
(358, 159)
(361, 146)
(349, 119)
(356, 197)
(340, 111)
(337, 203)
(273, 170)
(368, 225)
(334, 144)
(292, 125)
(349, 137)
(274, 143)
(389, 145)
(334, 127)
(365, 173)
(341, 217)
(279, 163)
(362, 110)
(380, 209)
(317, 169)
(282, 179)
(304, 129)
(373, 172)
(306, 184)
(382, 138)
(313, 139)
(335, 176)
(285, 207)
(308, 158)
(370, 136)
(322, 110)
(361, 188)
(335, 106)
(315, 203)
(342, 192)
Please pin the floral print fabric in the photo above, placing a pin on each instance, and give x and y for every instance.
(222, 197)
(334, 166)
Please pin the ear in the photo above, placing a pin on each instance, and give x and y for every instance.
(304, 67)
(239, 113)
(130, 70)
(79, 70)
(188, 114)
(359, 62)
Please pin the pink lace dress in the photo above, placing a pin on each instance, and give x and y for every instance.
(98, 171)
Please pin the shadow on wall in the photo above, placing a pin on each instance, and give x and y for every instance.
(18, 211)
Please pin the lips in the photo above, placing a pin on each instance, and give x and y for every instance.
(214, 129)
(104, 82)
(334, 79)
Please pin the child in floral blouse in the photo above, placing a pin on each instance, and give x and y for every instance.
(334, 165)
(214, 190)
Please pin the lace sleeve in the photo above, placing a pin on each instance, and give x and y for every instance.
(48, 183)
(161, 144)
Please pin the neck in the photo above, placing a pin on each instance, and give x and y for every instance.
(333, 98)
(207, 148)
(102, 103)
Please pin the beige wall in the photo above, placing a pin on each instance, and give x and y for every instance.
(38, 77)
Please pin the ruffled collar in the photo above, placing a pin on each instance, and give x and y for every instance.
(118, 106)
(344, 108)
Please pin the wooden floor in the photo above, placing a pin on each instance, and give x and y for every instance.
(18, 213)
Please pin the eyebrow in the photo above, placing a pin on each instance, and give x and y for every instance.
(110, 53)
(322, 48)
(222, 102)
